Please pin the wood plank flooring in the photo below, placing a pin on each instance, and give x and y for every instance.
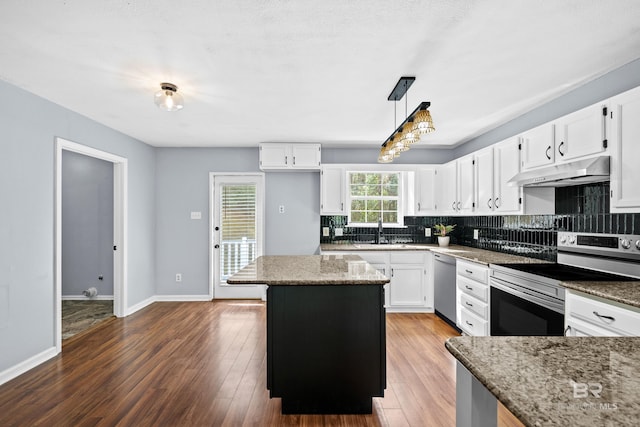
(203, 364)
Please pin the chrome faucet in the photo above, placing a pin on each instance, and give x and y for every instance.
(379, 235)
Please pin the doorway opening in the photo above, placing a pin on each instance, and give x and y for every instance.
(116, 267)
(236, 231)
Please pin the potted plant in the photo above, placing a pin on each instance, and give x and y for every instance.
(442, 232)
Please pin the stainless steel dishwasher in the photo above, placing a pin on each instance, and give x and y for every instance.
(445, 287)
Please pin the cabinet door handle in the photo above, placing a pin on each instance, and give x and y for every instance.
(286, 160)
(547, 152)
(489, 203)
(458, 205)
(468, 303)
(567, 330)
(453, 205)
(495, 202)
(342, 206)
(559, 148)
(468, 287)
(418, 205)
(602, 316)
(468, 271)
(468, 323)
(392, 272)
(294, 160)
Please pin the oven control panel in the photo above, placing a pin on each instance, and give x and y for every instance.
(605, 243)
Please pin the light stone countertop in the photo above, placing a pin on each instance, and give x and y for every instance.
(309, 270)
(534, 377)
(622, 292)
(481, 256)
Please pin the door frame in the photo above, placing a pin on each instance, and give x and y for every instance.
(212, 211)
(120, 215)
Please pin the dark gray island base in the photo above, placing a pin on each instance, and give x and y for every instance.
(326, 349)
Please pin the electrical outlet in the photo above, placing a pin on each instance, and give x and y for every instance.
(338, 232)
(178, 277)
(427, 232)
(281, 208)
(476, 234)
(325, 231)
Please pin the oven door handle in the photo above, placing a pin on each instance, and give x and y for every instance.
(500, 284)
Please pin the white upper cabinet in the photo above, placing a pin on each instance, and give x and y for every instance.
(289, 156)
(581, 133)
(506, 161)
(425, 189)
(495, 166)
(446, 188)
(455, 187)
(484, 180)
(466, 199)
(538, 148)
(624, 118)
(332, 191)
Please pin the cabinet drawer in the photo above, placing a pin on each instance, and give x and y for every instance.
(473, 288)
(604, 315)
(473, 304)
(403, 257)
(473, 271)
(472, 324)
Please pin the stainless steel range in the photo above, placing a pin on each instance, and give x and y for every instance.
(528, 299)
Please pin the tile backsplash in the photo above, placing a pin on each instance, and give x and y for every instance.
(530, 235)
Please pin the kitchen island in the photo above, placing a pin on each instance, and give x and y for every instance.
(548, 381)
(326, 343)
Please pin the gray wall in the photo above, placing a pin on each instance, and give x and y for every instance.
(296, 231)
(183, 187)
(87, 224)
(622, 79)
(417, 155)
(29, 126)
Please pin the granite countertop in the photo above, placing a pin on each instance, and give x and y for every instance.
(309, 270)
(535, 377)
(625, 292)
(482, 256)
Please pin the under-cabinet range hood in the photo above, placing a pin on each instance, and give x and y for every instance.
(577, 172)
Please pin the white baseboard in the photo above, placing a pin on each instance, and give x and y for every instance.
(139, 306)
(178, 298)
(24, 366)
(82, 297)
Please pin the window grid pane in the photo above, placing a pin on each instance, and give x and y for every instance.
(374, 196)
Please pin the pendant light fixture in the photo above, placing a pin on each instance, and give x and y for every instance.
(416, 124)
(168, 98)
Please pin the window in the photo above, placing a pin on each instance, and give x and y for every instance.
(374, 195)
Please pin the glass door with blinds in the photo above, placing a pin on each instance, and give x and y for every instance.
(236, 235)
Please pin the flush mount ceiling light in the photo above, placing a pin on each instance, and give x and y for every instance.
(168, 98)
(416, 124)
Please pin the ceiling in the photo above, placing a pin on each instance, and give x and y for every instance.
(256, 71)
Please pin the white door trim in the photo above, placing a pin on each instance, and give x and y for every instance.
(120, 185)
(212, 209)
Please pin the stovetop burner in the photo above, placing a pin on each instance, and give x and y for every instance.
(567, 272)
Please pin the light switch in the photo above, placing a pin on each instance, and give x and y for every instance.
(325, 231)
(427, 232)
(196, 215)
(476, 233)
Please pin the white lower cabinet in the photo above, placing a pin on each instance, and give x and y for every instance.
(472, 298)
(411, 288)
(588, 315)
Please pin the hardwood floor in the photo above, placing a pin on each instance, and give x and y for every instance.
(203, 364)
